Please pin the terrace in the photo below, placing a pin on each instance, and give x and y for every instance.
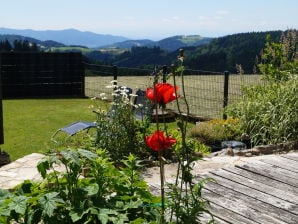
(251, 190)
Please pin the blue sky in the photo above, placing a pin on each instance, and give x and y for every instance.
(153, 19)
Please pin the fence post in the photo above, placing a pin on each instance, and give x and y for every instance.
(226, 91)
(1, 110)
(115, 75)
(164, 73)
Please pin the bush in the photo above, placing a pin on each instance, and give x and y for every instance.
(214, 131)
(269, 113)
(118, 131)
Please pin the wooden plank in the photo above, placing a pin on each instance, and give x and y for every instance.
(282, 162)
(287, 196)
(271, 171)
(228, 216)
(207, 218)
(241, 209)
(261, 196)
(292, 156)
(263, 179)
(280, 167)
(220, 221)
(265, 208)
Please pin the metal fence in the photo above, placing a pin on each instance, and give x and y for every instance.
(207, 92)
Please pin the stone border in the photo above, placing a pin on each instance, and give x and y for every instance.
(258, 150)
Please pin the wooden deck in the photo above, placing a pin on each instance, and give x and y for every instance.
(263, 191)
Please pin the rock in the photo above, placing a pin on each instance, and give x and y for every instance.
(230, 152)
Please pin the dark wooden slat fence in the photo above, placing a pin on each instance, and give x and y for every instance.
(39, 74)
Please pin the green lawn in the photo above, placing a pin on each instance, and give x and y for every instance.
(30, 123)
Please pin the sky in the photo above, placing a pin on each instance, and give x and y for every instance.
(151, 19)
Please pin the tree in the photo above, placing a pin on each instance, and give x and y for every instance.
(5, 45)
(280, 60)
(17, 45)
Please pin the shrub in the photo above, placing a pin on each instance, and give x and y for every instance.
(269, 114)
(118, 131)
(214, 131)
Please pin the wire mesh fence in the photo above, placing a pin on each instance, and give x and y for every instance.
(205, 90)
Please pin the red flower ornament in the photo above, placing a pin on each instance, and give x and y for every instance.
(165, 93)
(158, 141)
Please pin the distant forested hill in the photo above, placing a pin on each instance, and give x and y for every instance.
(169, 44)
(143, 57)
(12, 38)
(219, 55)
(225, 52)
(176, 42)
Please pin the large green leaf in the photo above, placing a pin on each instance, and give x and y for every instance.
(3, 195)
(106, 215)
(92, 189)
(18, 204)
(42, 167)
(87, 154)
(49, 202)
(77, 216)
(71, 156)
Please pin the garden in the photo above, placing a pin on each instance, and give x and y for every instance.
(101, 181)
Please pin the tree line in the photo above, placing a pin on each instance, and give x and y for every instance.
(18, 45)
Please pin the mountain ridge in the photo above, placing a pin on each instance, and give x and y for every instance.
(94, 40)
(169, 43)
(67, 36)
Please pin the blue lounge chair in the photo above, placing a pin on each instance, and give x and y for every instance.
(75, 127)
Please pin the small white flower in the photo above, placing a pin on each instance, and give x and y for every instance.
(93, 98)
(111, 86)
(114, 81)
(114, 194)
(102, 94)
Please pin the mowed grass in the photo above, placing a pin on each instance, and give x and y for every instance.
(204, 93)
(30, 123)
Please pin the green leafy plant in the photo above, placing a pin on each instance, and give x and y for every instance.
(105, 194)
(118, 131)
(280, 60)
(268, 112)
